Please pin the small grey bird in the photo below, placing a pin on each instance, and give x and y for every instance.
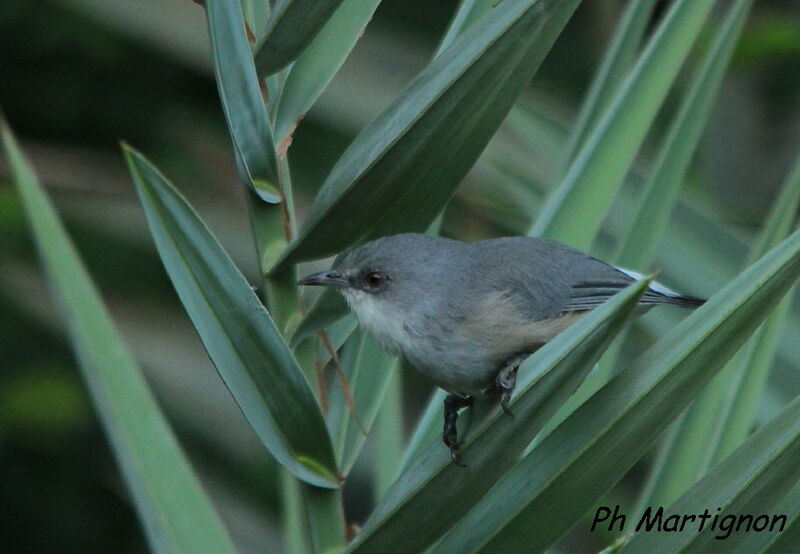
(467, 315)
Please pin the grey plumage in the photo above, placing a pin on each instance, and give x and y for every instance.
(458, 312)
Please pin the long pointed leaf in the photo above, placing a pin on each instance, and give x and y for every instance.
(389, 439)
(592, 449)
(432, 484)
(469, 11)
(751, 481)
(292, 26)
(428, 428)
(576, 208)
(406, 164)
(176, 513)
(617, 61)
(756, 361)
(663, 183)
(368, 369)
(236, 330)
(716, 412)
(788, 538)
(241, 99)
(319, 62)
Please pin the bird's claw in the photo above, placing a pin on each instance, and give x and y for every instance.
(505, 382)
(453, 403)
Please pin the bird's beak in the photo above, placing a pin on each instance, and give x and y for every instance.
(325, 279)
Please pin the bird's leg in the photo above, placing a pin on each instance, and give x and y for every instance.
(506, 380)
(453, 403)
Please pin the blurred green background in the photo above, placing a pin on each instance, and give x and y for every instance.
(76, 76)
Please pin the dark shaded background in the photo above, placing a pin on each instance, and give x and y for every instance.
(76, 76)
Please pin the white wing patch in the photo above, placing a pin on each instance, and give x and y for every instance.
(655, 285)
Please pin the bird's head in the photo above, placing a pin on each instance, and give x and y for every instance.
(399, 271)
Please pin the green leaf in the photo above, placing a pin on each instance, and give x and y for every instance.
(617, 61)
(406, 164)
(434, 486)
(368, 369)
(576, 208)
(428, 429)
(292, 26)
(388, 436)
(319, 62)
(329, 307)
(751, 481)
(684, 457)
(663, 184)
(756, 361)
(238, 334)
(469, 11)
(256, 15)
(324, 514)
(778, 543)
(241, 100)
(594, 447)
(724, 412)
(296, 535)
(176, 513)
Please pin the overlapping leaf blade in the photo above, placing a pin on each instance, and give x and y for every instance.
(469, 11)
(176, 513)
(617, 61)
(751, 481)
(757, 360)
(368, 369)
(246, 347)
(594, 447)
(576, 208)
(292, 26)
(724, 413)
(787, 538)
(432, 484)
(241, 99)
(406, 164)
(664, 181)
(319, 62)
(329, 307)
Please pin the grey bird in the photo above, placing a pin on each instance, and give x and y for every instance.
(467, 315)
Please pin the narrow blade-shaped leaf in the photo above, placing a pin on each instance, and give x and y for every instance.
(292, 26)
(617, 61)
(176, 513)
(751, 481)
(595, 446)
(329, 307)
(319, 62)
(788, 538)
(368, 369)
(388, 436)
(469, 11)
(663, 184)
(241, 339)
(256, 15)
(428, 428)
(724, 411)
(241, 99)
(757, 360)
(576, 208)
(406, 164)
(432, 484)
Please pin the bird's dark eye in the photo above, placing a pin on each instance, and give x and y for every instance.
(374, 279)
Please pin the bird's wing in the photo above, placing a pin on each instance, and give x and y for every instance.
(588, 294)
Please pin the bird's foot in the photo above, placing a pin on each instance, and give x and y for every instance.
(453, 403)
(506, 380)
